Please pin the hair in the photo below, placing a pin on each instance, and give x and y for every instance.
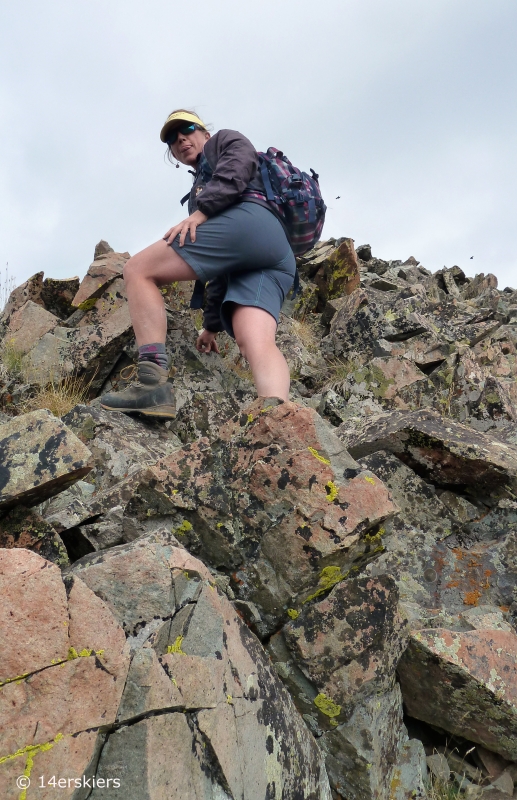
(168, 153)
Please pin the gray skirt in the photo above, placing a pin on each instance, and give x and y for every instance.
(247, 245)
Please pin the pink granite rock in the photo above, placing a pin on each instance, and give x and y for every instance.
(101, 273)
(225, 727)
(28, 324)
(64, 664)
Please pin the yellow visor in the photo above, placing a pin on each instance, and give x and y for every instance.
(174, 121)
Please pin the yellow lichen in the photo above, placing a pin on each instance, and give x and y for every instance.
(318, 455)
(250, 417)
(370, 480)
(87, 305)
(229, 699)
(332, 491)
(85, 653)
(293, 613)
(329, 577)
(17, 679)
(176, 647)
(184, 527)
(327, 706)
(30, 751)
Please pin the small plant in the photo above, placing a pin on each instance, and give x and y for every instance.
(11, 361)
(59, 396)
(335, 374)
(7, 284)
(438, 790)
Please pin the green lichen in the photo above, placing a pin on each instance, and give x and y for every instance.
(176, 647)
(332, 491)
(293, 613)
(318, 455)
(88, 429)
(185, 527)
(327, 706)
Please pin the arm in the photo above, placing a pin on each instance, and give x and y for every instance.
(234, 163)
(216, 290)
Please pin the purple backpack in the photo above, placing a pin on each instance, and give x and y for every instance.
(295, 196)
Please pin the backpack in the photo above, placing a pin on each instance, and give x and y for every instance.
(295, 197)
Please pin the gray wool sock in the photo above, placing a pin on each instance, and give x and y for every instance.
(154, 352)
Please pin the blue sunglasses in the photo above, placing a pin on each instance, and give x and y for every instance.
(184, 129)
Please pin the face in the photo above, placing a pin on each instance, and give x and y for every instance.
(188, 146)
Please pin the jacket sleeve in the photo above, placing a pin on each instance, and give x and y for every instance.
(234, 161)
(215, 291)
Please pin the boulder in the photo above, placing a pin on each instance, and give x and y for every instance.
(145, 441)
(57, 295)
(370, 757)
(348, 645)
(104, 270)
(64, 666)
(464, 683)
(275, 502)
(30, 290)
(202, 710)
(22, 527)
(445, 452)
(339, 274)
(27, 325)
(39, 457)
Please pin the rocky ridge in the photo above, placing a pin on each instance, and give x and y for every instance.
(256, 600)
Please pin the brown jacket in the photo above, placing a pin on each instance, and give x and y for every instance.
(232, 167)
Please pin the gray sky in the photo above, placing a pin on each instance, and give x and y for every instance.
(406, 108)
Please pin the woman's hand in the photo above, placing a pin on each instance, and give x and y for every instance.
(188, 225)
(206, 342)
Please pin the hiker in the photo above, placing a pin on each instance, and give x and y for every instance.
(235, 243)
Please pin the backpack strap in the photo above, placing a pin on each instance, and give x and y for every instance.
(266, 180)
(198, 295)
(296, 284)
(184, 199)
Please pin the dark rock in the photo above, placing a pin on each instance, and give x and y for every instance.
(39, 457)
(446, 452)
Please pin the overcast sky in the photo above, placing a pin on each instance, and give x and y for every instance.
(406, 108)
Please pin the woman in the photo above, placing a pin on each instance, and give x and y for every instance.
(234, 242)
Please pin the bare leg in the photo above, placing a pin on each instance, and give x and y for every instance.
(255, 331)
(153, 267)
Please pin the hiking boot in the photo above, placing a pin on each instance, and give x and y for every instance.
(152, 394)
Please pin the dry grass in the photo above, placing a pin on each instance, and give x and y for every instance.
(307, 335)
(438, 790)
(335, 374)
(59, 396)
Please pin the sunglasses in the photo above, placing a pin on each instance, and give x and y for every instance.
(183, 129)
